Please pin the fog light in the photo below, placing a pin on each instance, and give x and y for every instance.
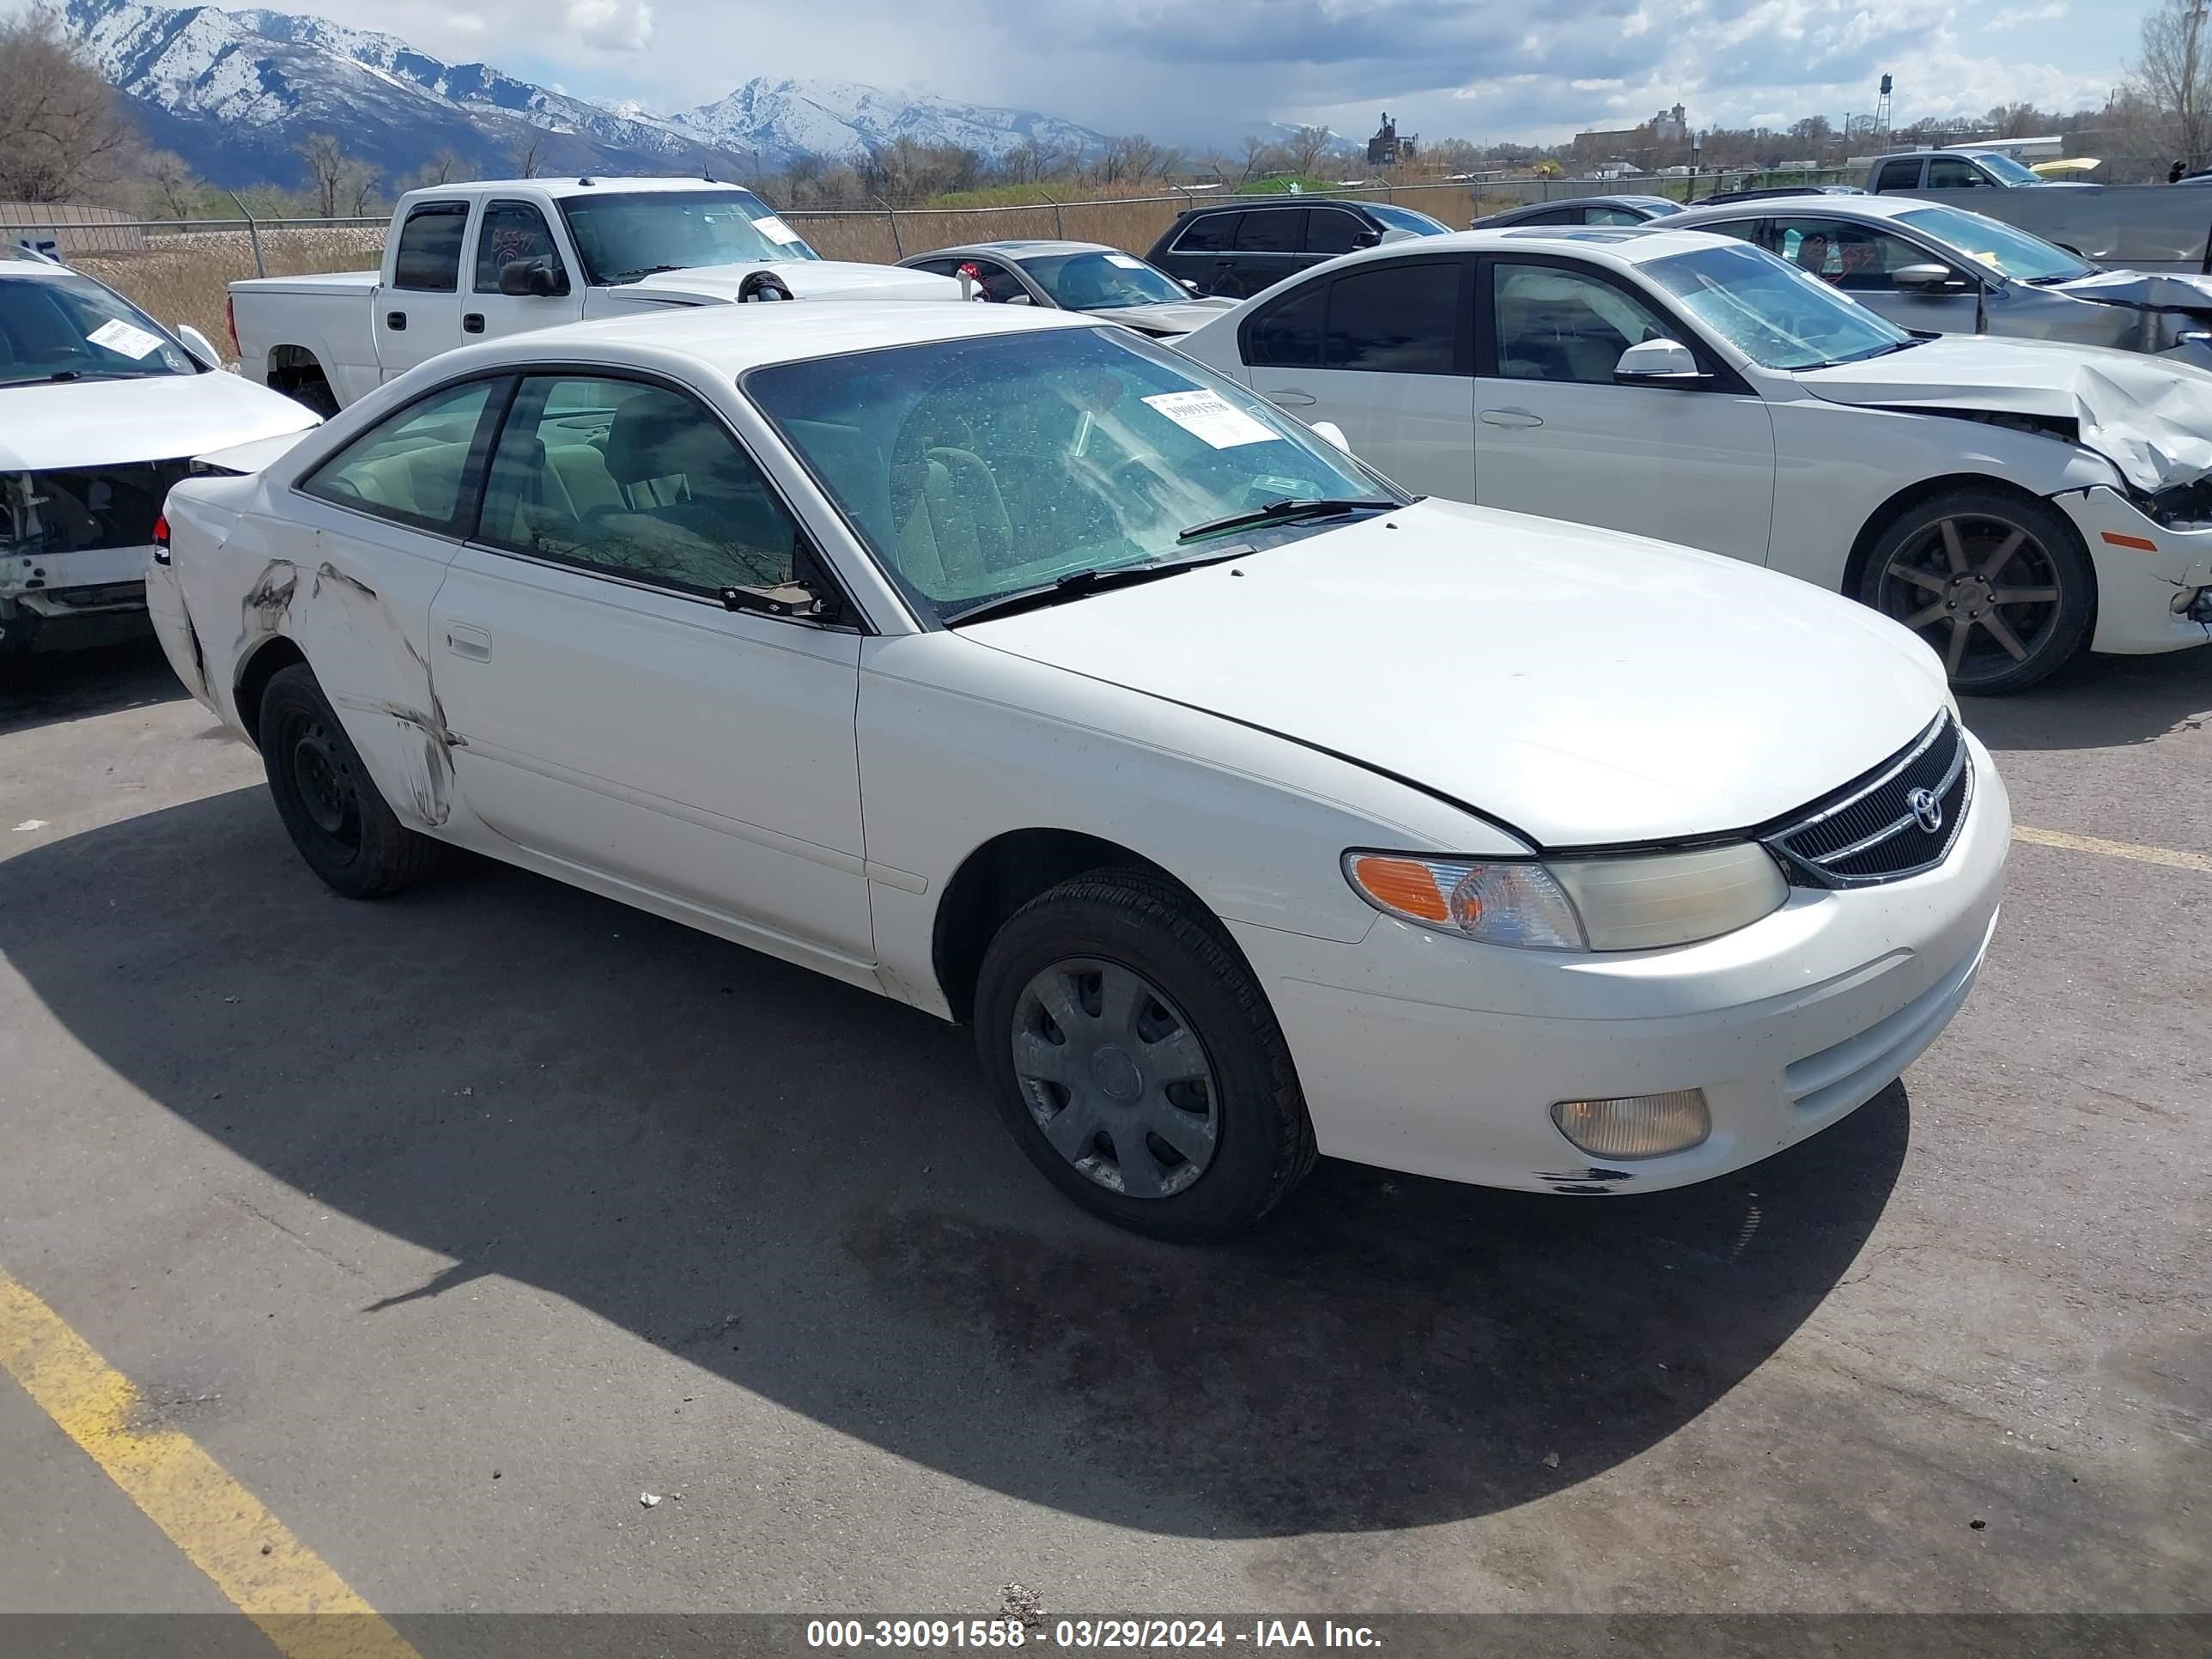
(1635, 1125)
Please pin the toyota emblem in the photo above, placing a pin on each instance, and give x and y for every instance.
(1927, 810)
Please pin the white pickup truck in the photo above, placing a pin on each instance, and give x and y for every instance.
(474, 261)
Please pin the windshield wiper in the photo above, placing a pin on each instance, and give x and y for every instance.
(620, 277)
(1288, 511)
(1077, 584)
(66, 375)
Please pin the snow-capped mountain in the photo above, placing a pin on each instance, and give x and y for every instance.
(845, 118)
(235, 92)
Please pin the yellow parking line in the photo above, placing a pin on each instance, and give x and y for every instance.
(2171, 859)
(253, 1558)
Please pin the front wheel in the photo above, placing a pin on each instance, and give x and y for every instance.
(1135, 1059)
(2001, 586)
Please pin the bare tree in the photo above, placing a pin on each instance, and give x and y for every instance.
(530, 155)
(445, 166)
(327, 171)
(1256, 159)
(2173, 75)
(61, 135)
(1306, 149)
(359, 185)
(1033, 161)
(173, 190)
(1132, 159)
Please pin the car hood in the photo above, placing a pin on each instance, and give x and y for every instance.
(53, 425)
(2142, 290)
(2150, 417)
(1173, 317)
(1584, 687)
(807, 279)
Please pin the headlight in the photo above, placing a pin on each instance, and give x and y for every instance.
(1639, 901)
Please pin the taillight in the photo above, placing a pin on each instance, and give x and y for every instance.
(230, 321)
(161, 531)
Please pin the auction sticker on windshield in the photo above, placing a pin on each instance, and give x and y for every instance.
(1204, 416)
(1127, 262)
(126, 337)
(775, 230)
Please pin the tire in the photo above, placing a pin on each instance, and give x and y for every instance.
(1946, 568)
(312, 392)
(1160, 1025)
(330, 805)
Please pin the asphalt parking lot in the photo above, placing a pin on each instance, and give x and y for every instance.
(452, 1226)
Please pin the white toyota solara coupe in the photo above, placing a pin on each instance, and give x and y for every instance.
(2015, 500)
(1021, 669)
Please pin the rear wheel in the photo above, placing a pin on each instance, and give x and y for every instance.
(2000, 586)
(329, 804)
(1136, 1059)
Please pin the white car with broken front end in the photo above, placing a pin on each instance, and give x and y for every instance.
(100, 410)
(2015, 501)
(1020, 669)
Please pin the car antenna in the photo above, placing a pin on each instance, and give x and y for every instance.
(706, 174)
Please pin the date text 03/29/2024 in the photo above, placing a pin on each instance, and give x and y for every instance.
(1124, 1634)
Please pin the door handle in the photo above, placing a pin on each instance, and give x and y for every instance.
(472, 322)
(464, 640)
(396, 321)
(1514, 417)
(1290, 396)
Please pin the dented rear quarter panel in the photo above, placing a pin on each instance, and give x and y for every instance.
(351, 592)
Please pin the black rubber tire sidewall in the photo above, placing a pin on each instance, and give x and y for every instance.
(2077, 581)
(1265, 1145)
(390, 856)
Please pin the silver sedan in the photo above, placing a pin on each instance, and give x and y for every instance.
(1937, 269)
(1090, 277)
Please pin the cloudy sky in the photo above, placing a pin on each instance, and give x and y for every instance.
(1180, 69)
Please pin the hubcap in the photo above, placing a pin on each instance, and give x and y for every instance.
(1983, 592)
(1115, 1077)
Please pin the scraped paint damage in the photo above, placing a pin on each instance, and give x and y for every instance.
(330, 627)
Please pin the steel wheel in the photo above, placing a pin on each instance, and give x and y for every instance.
(1984, 592)
(1115, 1077)
(323, 779)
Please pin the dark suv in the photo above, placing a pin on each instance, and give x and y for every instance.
(1239, 247)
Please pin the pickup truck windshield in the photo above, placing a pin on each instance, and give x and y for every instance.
(1052, 460)
(2009, 170)
(1775, 314)
(58, 328)
(622, 237)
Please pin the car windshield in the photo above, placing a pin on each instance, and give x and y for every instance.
(2007, 169)
(2020, 256)
(978, 468)
(1092, 282)
(1775, 314)
(622, 236)
(60, 328)
(1398, 218)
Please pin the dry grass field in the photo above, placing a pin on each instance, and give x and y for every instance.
(185, 278)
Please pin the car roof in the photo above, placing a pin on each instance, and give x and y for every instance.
(732, 339)
(1619, 245)
(1834, 206)
(577, 185)
(1014, 247)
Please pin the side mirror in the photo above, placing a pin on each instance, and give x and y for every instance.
(1658, 362)
(202, 350)
(1928, 278)
(1330, 432)
(1017, 300)
(1368, 239)
(531, 279)
(1187, 283)
(792, 598)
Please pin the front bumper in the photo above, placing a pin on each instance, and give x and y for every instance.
(1433, 1055)
(2137, 586)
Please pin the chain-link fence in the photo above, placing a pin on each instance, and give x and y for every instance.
(180, 270)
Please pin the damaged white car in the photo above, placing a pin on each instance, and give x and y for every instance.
(2012, 501)
(100, 410)
(1021, 669)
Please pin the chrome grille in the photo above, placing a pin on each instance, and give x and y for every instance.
(1879, 828)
